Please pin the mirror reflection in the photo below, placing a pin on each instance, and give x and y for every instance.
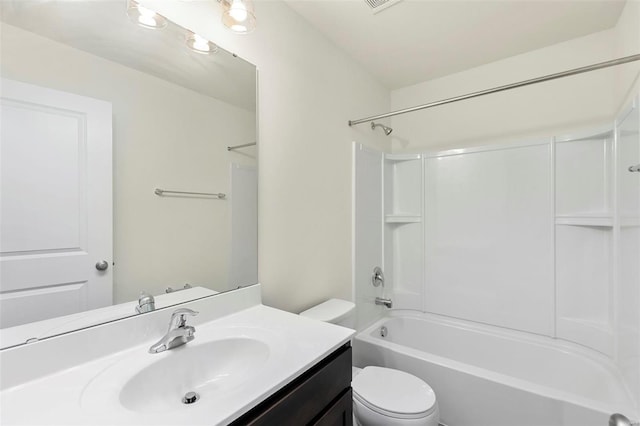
(129, 166)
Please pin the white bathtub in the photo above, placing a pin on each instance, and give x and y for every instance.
(488, 376)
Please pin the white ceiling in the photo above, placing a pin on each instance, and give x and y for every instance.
(103, 29)
(418, 40)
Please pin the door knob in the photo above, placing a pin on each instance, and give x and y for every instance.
(102, 265)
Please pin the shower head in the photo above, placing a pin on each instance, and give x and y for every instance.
(387, 130)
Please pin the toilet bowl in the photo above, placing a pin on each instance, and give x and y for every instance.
(384, 396)
(381, 396)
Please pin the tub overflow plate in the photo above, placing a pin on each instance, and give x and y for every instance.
(190, 398)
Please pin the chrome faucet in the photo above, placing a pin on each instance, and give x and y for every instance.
(146, 303)
(386, 302)
(179, 332)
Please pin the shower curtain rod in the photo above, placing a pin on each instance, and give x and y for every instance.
(549, 77)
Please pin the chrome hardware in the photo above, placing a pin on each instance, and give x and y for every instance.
(635, 169)
(618, 419)
(179, 332)
(562, 74)
(102, 265)
(383, 331)
(146, 303)
(233, 148)
(387, 130)
(190, 398)
(160, 192)
(184, 287)
(386, 302)
(377, 279)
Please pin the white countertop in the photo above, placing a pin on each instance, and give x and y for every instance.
(296, 344)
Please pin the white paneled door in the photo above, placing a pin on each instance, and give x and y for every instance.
(55, 203)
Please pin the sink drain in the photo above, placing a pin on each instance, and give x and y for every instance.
(190, 398)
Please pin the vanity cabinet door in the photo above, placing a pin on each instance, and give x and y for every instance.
(340, 413)
(311, 398)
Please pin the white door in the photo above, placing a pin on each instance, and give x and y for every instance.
(55, 203)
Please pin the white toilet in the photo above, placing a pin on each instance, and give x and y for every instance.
(381, 396)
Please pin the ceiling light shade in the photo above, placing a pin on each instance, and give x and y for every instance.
(200, 44)
(145, 17)
(238, 15)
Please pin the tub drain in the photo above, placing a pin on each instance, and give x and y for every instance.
(190, 398)
(383, 331)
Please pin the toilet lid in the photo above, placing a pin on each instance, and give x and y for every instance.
(394, 392)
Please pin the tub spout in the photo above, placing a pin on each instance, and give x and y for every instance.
(386, 302)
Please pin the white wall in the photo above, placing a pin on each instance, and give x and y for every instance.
(534, 111)
(308, 90)
(163, 136)
(627, 34)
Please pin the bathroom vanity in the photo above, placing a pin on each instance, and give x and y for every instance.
(248, 364)
(320, 396)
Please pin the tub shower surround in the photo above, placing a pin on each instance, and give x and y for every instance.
(526, 254)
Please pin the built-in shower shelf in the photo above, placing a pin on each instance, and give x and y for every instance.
(402, 218)
(585, 220)
(629, 221)
(401, 157)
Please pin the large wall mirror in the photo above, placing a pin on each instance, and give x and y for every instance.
(128, 165)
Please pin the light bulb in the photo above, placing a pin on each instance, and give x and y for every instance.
(200, 44)
(238, 15)
(239, 28)
(145, 17)
(238, 11)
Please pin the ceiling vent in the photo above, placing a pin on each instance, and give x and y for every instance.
(380, 5)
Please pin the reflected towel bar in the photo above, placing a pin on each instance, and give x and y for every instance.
(187, 286)
(161, 192)
(231, 148)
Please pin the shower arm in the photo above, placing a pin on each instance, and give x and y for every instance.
(575, 71)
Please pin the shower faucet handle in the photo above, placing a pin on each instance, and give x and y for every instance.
(377, 279)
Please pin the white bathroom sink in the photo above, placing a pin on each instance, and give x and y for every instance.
(207, 369)
(155, 383)
(242, 353)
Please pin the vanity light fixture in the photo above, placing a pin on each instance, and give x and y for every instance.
(238, 15)
(144, 16)
(200, 44)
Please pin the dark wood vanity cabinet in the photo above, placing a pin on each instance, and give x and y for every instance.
(321, 396)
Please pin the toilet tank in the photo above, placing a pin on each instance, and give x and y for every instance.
(336, 311)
